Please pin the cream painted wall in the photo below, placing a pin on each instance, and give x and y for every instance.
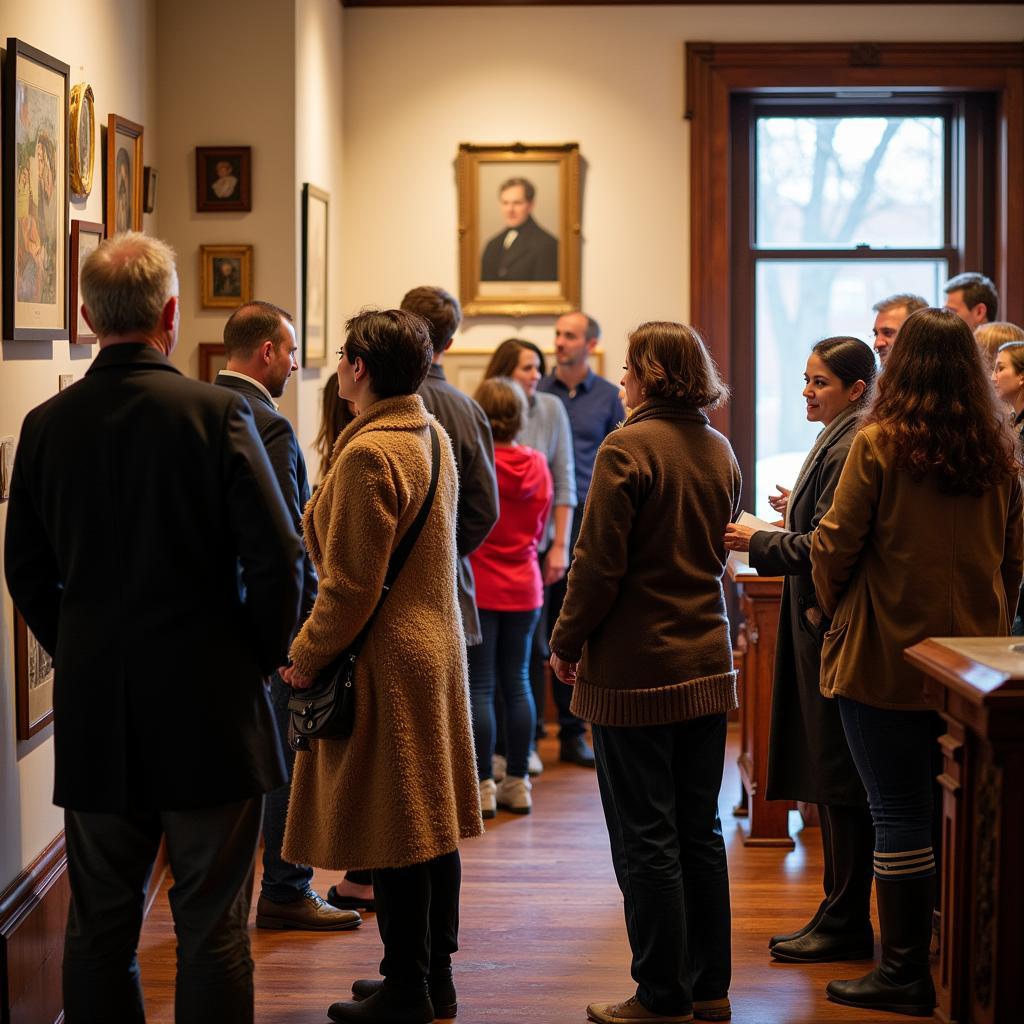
(110, 44)
(419, 82)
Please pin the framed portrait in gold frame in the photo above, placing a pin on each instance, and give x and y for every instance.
(82, 139)
(124, 175)
(519, 228)
(226, 273)
(33, 681)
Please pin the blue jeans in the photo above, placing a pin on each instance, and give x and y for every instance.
(282, 882)
(894, 754)
(503, 654)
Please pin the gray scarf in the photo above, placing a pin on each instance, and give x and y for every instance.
(820, 442)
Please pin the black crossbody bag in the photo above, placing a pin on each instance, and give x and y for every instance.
(327, 709)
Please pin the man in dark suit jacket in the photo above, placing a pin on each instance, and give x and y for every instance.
(524, 251)
(150, 551)
(259, 341)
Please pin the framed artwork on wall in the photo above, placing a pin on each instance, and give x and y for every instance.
(226, 273)
(124, 175)
(223, 178)
(82, 139)
(86, 236)
(519, 229)
(33, 681)
(36, 199)
(315, 208)
(212, 359)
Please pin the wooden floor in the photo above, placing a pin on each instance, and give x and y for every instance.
(542, 930)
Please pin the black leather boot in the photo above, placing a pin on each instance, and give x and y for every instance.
(827, 883)
(902, 982)
(842, 931)
(441, 988)
(390, 1004)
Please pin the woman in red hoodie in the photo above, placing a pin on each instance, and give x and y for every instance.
(509, 595)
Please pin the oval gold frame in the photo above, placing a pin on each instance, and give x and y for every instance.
(81, 93)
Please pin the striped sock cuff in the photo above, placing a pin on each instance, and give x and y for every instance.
(905, 864)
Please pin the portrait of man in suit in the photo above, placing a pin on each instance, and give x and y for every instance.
(522, 250)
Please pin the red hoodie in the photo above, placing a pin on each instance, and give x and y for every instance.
(505, 566)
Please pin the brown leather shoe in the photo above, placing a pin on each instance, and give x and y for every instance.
(632, 1011)
(308, 913)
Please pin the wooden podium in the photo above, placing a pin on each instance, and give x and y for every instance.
(978, 683)
(759, 599)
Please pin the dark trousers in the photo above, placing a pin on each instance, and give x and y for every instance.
(893, 752)
(110, 858)
(282, 880)
(847, 840)
(659, 787)
(499, 673)
(418, 919)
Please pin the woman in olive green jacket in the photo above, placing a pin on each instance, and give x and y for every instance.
(924, 538)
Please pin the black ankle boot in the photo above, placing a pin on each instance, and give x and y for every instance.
(389, 1004)
(902, 982)
(440, 986)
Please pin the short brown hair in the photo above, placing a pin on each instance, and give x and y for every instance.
(126, 283)
(527, 186)
(670, 360)
(909, 300)
(440, 309)
(976, 288)
(252, 324)
(504, 404)
(993, 336)
(395, 346)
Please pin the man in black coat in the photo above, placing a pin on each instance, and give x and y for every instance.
(523, 251)
(150, 552)
(259, 341)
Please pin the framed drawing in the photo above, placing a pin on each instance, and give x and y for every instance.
(35, 190)
(212, 359)
(226, 273)
(81, 139)
(149, 190)
(86, 235)
(124, 175)
(315, 203)
(519, 229)
(33, 681)
(223, 178)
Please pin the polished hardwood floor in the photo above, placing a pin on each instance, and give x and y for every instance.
(542, 929)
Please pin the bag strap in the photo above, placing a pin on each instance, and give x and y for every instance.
(405, 546)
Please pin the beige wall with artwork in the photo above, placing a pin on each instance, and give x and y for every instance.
(111, 44)
(419, 82)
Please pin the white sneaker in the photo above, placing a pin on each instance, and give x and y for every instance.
(514, 794)
(488, 804)
(499, 767)
(534, 765)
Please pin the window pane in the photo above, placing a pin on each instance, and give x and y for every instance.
(845, 181)
(798, 303)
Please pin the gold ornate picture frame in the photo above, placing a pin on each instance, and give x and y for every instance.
(124, 175)
(519, 228)
(82, 139)
(226, 274)
(33, 681)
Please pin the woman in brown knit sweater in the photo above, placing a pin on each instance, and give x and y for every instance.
(401, 791)
(644, 637)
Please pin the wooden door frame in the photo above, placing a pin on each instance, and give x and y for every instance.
(717, 71)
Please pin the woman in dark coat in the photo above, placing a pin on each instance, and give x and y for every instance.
(808, 757)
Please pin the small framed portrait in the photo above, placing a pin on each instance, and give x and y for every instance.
(519, 229)
(223, 178)
(33, 681)
(226, 273)
(315, 203)
(82, 139)
(212, 359)
(149, 189)
(86, 236)
(124, 175)
(36, 195)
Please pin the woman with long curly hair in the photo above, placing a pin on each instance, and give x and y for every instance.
(924, 538)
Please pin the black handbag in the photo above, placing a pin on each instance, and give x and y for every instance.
(327, 709)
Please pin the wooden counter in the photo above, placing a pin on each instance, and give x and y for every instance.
(978, 683)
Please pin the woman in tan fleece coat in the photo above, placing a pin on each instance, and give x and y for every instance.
(399, 793)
